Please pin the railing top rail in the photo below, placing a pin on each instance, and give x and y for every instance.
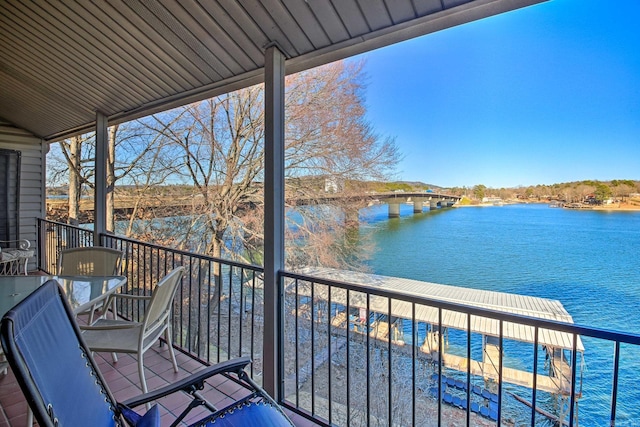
(181, 252)
(571, 328)
(62, 224)
(185, 253)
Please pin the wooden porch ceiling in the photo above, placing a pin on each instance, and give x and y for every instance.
(61, 60)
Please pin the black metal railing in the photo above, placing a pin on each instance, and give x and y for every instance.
(54, 237)
(218, 308)
(359, 355)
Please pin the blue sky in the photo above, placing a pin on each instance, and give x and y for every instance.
(541, 95)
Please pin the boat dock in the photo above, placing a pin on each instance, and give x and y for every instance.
(553, 342)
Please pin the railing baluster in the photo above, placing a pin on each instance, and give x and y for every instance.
(329, 350)
(574, 359)
(500, 370)
(313, 349)
(468, 408)
(535, 376)
(389, 373)
(208, 293)
(297, 342)
(348, 375)
(614, 387)
(229, 312)
(368, 349)
(440, 341)
(414, 349)
(191, 341)
(242, 307)
(253, 319)
(220, 291)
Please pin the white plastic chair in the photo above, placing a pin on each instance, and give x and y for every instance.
(123, 336)
(90, 261)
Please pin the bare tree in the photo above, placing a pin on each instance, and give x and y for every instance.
(67, 168)
(219, 146)
(75, 181)
(130, 155)
(141, 164)
(327, 137)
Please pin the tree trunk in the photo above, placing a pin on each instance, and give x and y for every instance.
(74, 180)
(111, 178)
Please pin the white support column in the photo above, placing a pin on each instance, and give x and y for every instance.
(272, 372)
(418, 204)
(100, 194)
(394, 210)
(433, 204)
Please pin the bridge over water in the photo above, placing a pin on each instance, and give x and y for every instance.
(420, 199)
(172, 205)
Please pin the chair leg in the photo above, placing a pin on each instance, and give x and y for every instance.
(91, 314)
(114, 309)
(167, 336)
(4, 365)
(143, 381)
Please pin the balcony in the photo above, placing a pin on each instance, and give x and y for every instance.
(318, 362)
(338, 368)
(122, 380)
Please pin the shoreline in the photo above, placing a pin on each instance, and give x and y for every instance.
(616, 207)
(621, 207)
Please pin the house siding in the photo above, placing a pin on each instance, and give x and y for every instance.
(32, 179)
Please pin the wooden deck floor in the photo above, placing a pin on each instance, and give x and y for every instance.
(122, 378)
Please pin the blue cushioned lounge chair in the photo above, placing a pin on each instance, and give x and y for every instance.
(45, 350)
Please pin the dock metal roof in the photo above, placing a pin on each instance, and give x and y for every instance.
(542, 308)
(63, 60)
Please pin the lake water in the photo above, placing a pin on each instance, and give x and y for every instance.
(589, 260)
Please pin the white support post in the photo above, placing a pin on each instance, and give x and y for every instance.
(394, 210)
(273, 221)
(100, 194)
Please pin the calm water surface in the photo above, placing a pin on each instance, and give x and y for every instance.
(589, 260)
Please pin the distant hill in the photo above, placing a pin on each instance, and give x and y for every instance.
(409, 186)
(419, 184)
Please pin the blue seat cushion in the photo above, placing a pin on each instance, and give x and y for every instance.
(247, 414)
(150, 419)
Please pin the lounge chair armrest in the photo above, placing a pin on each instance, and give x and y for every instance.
(193, 381)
